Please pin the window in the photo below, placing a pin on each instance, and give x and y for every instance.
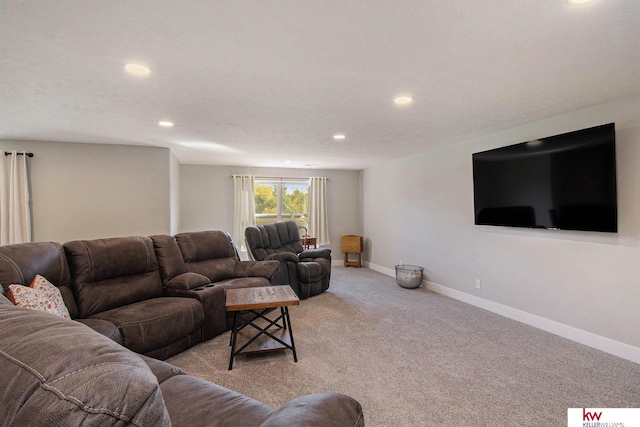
(282, 200)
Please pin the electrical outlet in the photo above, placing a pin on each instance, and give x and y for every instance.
(477, 283)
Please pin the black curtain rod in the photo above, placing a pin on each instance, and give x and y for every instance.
(6, 153)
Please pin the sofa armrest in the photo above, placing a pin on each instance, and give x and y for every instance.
(103, 327)
(162, 370)
(187, 281)
(264, 269)
(284, 257)
(318, 410)
(315, 253)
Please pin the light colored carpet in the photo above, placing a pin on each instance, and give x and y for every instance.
(417, 358)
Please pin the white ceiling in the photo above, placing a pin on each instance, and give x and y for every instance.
(260, 82)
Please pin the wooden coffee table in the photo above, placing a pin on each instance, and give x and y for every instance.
(276, 335)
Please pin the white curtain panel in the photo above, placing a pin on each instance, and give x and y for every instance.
(318, 218)
(15, 210)
(244, 207)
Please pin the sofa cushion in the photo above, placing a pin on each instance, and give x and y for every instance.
(169, 256)
(40, 295)
(155, 323)
(59, 372)
(203, 245)
(110, 273)
(20, 263)
(210, 253)
(40, 283)
(215, 270)
(27, 297)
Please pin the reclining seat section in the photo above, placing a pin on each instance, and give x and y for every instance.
(118, 280)
(306, 271)
(20, 263)
(202, 265)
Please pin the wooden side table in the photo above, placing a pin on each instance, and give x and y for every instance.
(351, 244)
(277, 334)
(308, 241)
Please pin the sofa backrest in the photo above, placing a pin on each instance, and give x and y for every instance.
(210, 253)
(113, 272)
(169, 257)
(58, 372)
(267, 239)
(20, 263)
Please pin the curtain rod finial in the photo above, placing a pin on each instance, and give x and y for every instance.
(8, 153)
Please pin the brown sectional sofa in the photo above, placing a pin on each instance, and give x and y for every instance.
(59, 372)
(156, 296)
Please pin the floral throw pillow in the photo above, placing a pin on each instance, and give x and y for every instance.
(40, 295)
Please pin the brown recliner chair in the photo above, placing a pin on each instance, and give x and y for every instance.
(306, 271)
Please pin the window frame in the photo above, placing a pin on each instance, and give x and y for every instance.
(279, 182)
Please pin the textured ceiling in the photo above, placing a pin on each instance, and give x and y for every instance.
(259, 82)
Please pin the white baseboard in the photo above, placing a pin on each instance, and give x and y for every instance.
(598, 342)
(384, 270)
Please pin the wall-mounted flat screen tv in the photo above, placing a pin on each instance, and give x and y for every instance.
(563, 182)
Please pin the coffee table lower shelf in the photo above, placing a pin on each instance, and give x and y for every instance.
(264, 343)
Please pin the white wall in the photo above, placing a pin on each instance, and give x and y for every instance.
(582, 285)
(207, 198)
(87, 191)
(174, 188)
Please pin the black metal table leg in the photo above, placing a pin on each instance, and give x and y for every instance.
(234, 336)
(287, 322)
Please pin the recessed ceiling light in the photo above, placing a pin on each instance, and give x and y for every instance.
(403, 100)
(165, 124)
(137, 69)
(578, 2)
(287, 161)
(311, 165)
(339, 136)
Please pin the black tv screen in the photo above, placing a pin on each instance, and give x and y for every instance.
(563, 182)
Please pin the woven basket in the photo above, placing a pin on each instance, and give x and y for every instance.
(409, 276)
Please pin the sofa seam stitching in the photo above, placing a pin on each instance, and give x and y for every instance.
(35, 373)
(88, 408)
(15, 266)
(48, 386)
(88, 367)
(61, 257)
(90, 258)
